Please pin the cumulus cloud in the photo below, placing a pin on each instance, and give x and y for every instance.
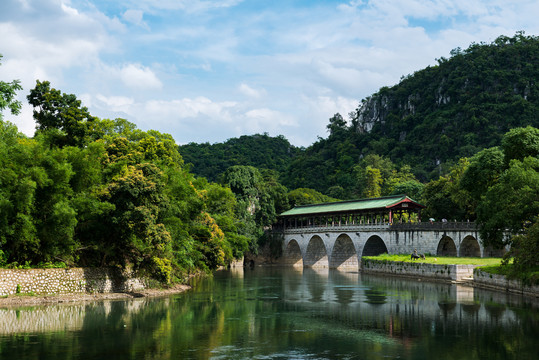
(140, 77)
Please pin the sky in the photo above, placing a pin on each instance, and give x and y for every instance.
(210, 70)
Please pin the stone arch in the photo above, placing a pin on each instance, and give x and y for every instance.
(446, 247)
(469, 247)
(344, 254)
(316, 254)
(292, 254)
(374, 246)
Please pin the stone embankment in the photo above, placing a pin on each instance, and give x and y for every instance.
(67, 281)
(500, 282)
(471, 274)
(415, 269)
(24, 287)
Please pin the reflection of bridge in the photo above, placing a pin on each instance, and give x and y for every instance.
(368, 296)
(337, 235)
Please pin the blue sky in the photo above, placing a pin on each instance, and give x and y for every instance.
(206, 71)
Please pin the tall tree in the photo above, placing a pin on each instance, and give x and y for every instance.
(60, 116)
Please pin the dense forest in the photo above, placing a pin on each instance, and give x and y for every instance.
(261, 151)
(462, 137)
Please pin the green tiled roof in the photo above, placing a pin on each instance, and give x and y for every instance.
(349, 206)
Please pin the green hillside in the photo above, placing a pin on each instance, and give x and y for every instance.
(428, 121)
(260, 151)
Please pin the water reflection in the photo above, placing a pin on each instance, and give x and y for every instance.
(282, 314)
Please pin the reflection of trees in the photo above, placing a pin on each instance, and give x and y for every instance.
(471, 308)
(375, 297)
(447, 307)
(495, 310)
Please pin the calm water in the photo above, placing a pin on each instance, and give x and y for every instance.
(283, 314)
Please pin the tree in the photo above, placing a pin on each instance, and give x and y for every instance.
(8, 91)
(373, 186)
(512, 204)
(483, 172)
(412, 188)
(337, 125)
(519, 143)
(304, 196)
(60, 116)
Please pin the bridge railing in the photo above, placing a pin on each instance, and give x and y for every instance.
(343, 228)
(426, 226)
(455, 225)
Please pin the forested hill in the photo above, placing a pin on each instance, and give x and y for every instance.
(452, 110)
(428, 121)
(260, 151)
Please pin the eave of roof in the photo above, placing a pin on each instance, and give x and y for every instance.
(360, 205)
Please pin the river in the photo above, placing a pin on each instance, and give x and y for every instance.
(274, 313)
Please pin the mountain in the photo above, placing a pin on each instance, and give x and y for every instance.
(429, 120)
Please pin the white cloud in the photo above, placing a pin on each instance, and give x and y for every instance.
(139, 77)
(135, 17)
(250, 92)
(265, 120)
(115, 103)
(189, 6)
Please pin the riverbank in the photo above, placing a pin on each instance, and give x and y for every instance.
(32, 300)
(464, 271)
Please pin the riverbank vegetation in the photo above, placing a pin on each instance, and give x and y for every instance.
(460, 137)
(96, 192)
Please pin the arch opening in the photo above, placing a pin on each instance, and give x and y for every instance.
(469, 247)
(292, 254)
(344, 254)
(374, 246)
(316, 254)
(446, 247)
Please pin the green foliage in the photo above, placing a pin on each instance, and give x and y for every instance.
(60, 116)
(260, 151)
(8, 91)
(510, 204)
(304, 196)
(413, 188)
(444, 198)
(260, 199)
(91, 192)
(520, 143)
(524, 250)
(373, 182)
(483, 172)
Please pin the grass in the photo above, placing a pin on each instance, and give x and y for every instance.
(441, 260)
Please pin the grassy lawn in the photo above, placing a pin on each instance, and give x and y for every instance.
(442, 260)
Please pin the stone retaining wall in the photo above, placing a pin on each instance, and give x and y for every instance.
(66, 281)
(441, 272)
(500, 282)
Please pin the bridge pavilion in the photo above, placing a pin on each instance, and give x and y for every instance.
(377, 211)
(338, 234)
